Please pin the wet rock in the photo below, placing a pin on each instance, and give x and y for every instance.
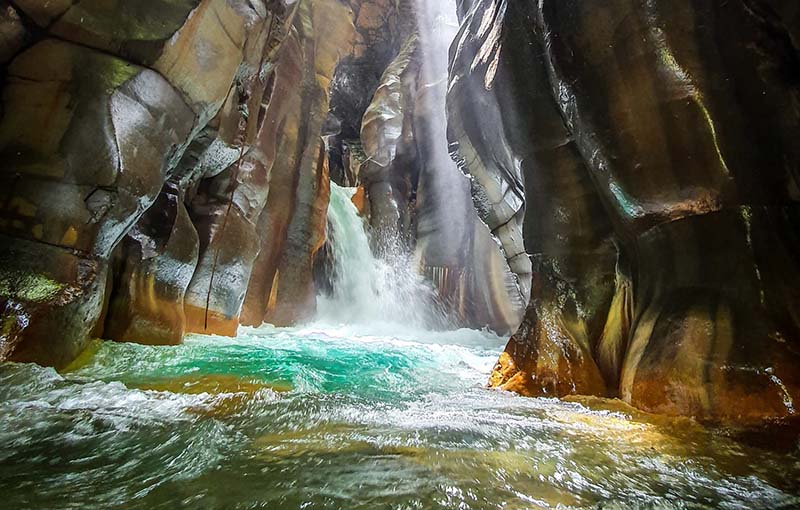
(86, 140)
(229, 203)
(389, 151)
(217, 289)
(293, 287)
(13, 33)
(359, 200)
(708, 212)
(385, 127)
(284, 203)
(381, 27)
(281, 135)
(158, 260)
(50, 300)
(195, 44)
(657, 246)
(126, 97)
(486, 133)
(453, 241)
(715, 331)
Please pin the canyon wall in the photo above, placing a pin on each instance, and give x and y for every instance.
(656, 146)
(417, 192)
(166, 166)
(152, 153)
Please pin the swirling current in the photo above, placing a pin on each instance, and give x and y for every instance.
(326, 417)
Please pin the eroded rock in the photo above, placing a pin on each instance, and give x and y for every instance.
(158, 259)
(676, 137)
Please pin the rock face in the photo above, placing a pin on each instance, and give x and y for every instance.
(156, 261)
(657, 146)
(166, 162)
(87, 140)
(138, 143)
(418, 194)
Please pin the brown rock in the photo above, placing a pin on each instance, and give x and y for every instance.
(359, 200)
(158, 259)
(684, 131)
(50, 301)
(13, 34)
(86, 142)
(242, 192)
(195, 44)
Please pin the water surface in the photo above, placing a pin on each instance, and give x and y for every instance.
(342, 418)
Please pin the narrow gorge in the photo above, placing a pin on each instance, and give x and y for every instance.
(407, 254)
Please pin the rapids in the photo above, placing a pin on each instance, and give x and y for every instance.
(344, 418)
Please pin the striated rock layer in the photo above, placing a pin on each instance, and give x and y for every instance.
(656, 142)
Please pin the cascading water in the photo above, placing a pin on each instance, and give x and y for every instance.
(370, 290)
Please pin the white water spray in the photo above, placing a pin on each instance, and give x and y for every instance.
(368, 290)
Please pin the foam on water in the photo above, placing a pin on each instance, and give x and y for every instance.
(369, 290)
(340, 418)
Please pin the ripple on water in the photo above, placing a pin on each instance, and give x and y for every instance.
(331, 417)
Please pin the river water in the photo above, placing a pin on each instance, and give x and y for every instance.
(332, 417)
(366, 408)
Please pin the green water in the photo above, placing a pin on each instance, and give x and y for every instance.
(335, 418)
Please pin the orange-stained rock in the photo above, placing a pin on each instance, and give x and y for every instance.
(228, 204)
(205, 321)
(544, 358)
(716, 341)
(220, 280)
(293, 289)
(675, 147)
(283, 291)
(279, 138)
(360, 200)
(156, 263)
(117, 103)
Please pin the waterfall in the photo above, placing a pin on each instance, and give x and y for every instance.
(369, 289)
